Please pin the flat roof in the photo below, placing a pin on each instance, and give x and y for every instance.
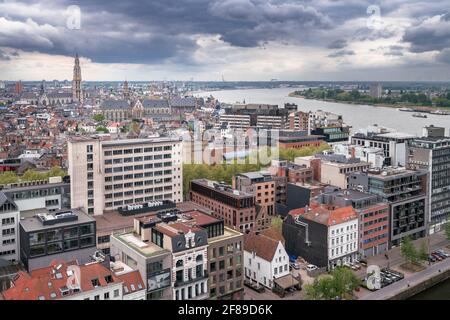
(147, 249)
(227, 234)
(33, 223)
(119, 142)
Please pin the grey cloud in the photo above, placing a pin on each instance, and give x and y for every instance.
(338, 44)
(341, 53)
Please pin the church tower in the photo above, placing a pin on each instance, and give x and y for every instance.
(77, 93)
(126, 91)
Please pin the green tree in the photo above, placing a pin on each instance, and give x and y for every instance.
(102, 129)
(340, 282)
(277, 224)
(447, 230)
(8, 177)
(98, 117)
(408, 251)
(422, 254)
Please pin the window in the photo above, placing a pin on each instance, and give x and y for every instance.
(116, 293)
(106, 296)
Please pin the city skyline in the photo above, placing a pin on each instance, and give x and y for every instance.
(232, 40)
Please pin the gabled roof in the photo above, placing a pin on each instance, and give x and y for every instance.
(132, 282)
(155, 103)
(183, 102)
(115, 104)
(263, 246)
(4, 198)
(324, 215)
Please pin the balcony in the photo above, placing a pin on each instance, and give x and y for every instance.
(180, 283)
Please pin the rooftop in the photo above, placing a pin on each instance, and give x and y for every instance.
(63, 218)
(323, 215)
(146, 249)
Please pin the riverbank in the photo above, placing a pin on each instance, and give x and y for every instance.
(383, 105)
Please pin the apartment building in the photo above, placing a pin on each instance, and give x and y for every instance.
(236, 208)
(111, 174)
(392, 142)
(262, 185)
(67, 235)
(406, 191)
(71, 281)
(9, 229)
(373, 216)
(333, 169)
(51, 195)
(374, 156)
(266, 260)
(323, 236)
(299, 120)
(433, 155)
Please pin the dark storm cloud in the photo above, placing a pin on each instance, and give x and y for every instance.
(341, 53)
(429, 35)
(338, 44)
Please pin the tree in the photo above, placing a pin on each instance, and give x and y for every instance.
(102, 129)
(98, 117)
(447, 230)
(341, 281)
(408, 251)
(8, 177)
(277, 224)
(423, 252)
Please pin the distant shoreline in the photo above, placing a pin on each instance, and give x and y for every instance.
(394, 106)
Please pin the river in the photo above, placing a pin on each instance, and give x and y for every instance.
(440, 291)
(357, 116)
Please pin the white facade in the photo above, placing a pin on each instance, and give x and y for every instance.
(342, 243)
(374, 156)
(263, 272)
(191, 286)
(110, 174)
(9, 234)
(114, 291)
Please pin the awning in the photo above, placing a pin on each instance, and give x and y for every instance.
(286, 282)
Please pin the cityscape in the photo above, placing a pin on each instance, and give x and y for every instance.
(159, 171)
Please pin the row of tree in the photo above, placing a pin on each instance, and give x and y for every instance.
(336, 285)
(31, 175)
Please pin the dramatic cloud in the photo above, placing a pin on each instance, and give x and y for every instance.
(207, 38)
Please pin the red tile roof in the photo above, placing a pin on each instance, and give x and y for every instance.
(324, 215)
(47, 283)
(263, 246)
(132, 282)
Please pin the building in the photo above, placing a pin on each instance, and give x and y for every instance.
(177, 272)
(261, 185)
(9, 227)
(433, 155)
(298, 140)
(393, 143)
(244, 116)
(67, 235)
(405, 191)
(111, 174)
(71, 281)
(332, 169)
(332, 134)
(299, 120)
(376, 90)
(323, 236)
(77, 91)
(373, 216)
(374, 156)
(265, 260)
(236, 208)
(51, 195)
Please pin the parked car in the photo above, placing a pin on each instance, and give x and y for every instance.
(437, 257)
(431, 258)
(443, 253)
(440, 254)
(294, 265)
(311, 267)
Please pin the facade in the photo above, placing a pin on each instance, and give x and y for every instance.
(261, 185)
(374, 156)
(376, 90)
(405, 191)
(373, 215)
(332, 134)
(393, 143)
(71, 281)
(77, 93)
(298, 140)
(236, 208)
(51, 195)
(299, 120)
(9, 228)
(433, 154)
(323, 236)
(265, 260)
(67, 235)
(111, 174)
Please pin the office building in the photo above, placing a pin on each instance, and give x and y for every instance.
(111, 174)
(68, 235)
(9, 228)
(405, 191)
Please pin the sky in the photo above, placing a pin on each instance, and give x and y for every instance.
(234, 40)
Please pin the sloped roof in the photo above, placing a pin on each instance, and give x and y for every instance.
(263, 246)
(183, 102)
(132, 282)
(327, 216)
(114, 104)
(155, 103)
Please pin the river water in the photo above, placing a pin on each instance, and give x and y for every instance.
(440, 291)
(357, 116)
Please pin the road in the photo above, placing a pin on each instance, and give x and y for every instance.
(397, 287)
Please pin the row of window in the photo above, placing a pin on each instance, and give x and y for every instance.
(136, 150)
(137, 159)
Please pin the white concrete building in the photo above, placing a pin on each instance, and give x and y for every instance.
(343, 241)
(9, 229)
(374, 156)
(265, 260)
(111, 174)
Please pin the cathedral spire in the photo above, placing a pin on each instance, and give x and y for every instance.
(77, 94)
